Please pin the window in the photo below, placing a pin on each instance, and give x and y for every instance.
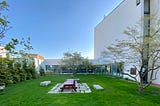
(137, 2)
(133, 71)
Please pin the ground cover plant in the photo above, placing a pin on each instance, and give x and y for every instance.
(117, 92)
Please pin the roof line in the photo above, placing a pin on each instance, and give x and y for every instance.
(112, 11)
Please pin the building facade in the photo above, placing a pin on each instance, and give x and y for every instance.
(112, 27)
(2, 52)
(52, 65)
(38, 60)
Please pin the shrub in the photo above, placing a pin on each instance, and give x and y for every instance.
(41, 71)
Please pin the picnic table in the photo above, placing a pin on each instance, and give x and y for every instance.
(69, 84)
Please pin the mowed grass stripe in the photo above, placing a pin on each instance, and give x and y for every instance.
(117, 92)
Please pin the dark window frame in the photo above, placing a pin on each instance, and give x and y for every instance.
(133, 71)
(138, 2)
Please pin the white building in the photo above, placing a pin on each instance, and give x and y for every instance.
(38, 60)
(2, 52)
(51, 64)
(127, 13)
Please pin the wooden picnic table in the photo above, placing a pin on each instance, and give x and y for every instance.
(69, 84)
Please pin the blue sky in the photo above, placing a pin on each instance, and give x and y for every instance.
(58, 26)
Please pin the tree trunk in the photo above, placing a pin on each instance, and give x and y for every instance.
(141, 89)
(141, 84)
(151, 77)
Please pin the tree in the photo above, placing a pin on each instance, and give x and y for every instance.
(41, 71)
(3, 19)
(86, 65)
(5, 72)
(74, 61)
(140, 50)
(18, 65)
(71, 61)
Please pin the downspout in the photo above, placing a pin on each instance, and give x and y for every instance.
(146, 34)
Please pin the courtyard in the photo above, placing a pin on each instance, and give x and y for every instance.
(116, 92)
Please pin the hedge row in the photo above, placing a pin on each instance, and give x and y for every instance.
(16, 70)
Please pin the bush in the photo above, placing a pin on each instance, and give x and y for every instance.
(22, 76)
(41, 71)
(16, 70)
(16, 78)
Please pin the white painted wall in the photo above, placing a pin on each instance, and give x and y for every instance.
(155, 9)
(38, 64)
(156, 76)
(113, 25)
(52, 61)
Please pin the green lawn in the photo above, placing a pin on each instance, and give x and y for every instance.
(117, 92)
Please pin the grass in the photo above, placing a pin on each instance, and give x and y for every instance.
(117, 92)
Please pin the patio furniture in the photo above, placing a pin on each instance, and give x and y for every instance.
(76, 79)
(69, 84)
(98, 87)
(45, 83)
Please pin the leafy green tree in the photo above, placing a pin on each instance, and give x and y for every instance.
(18, 69)
(5, 71)
(17, 66)
(41, 71)
(74, 62)
(86, 65)
(3, 19)
(138, 50)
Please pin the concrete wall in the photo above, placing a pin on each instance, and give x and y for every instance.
(38, 64)
(155, 7)
(114, 24)
(155, 10)
(51, 63)
(38, 60)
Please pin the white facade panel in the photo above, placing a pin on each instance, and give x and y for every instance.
(38, 64)
(156, 76)
(155, 10)
(52, 61)
(113, 25)
(155, 7)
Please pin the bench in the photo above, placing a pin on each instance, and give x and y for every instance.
(45, 83)
(98, 87)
